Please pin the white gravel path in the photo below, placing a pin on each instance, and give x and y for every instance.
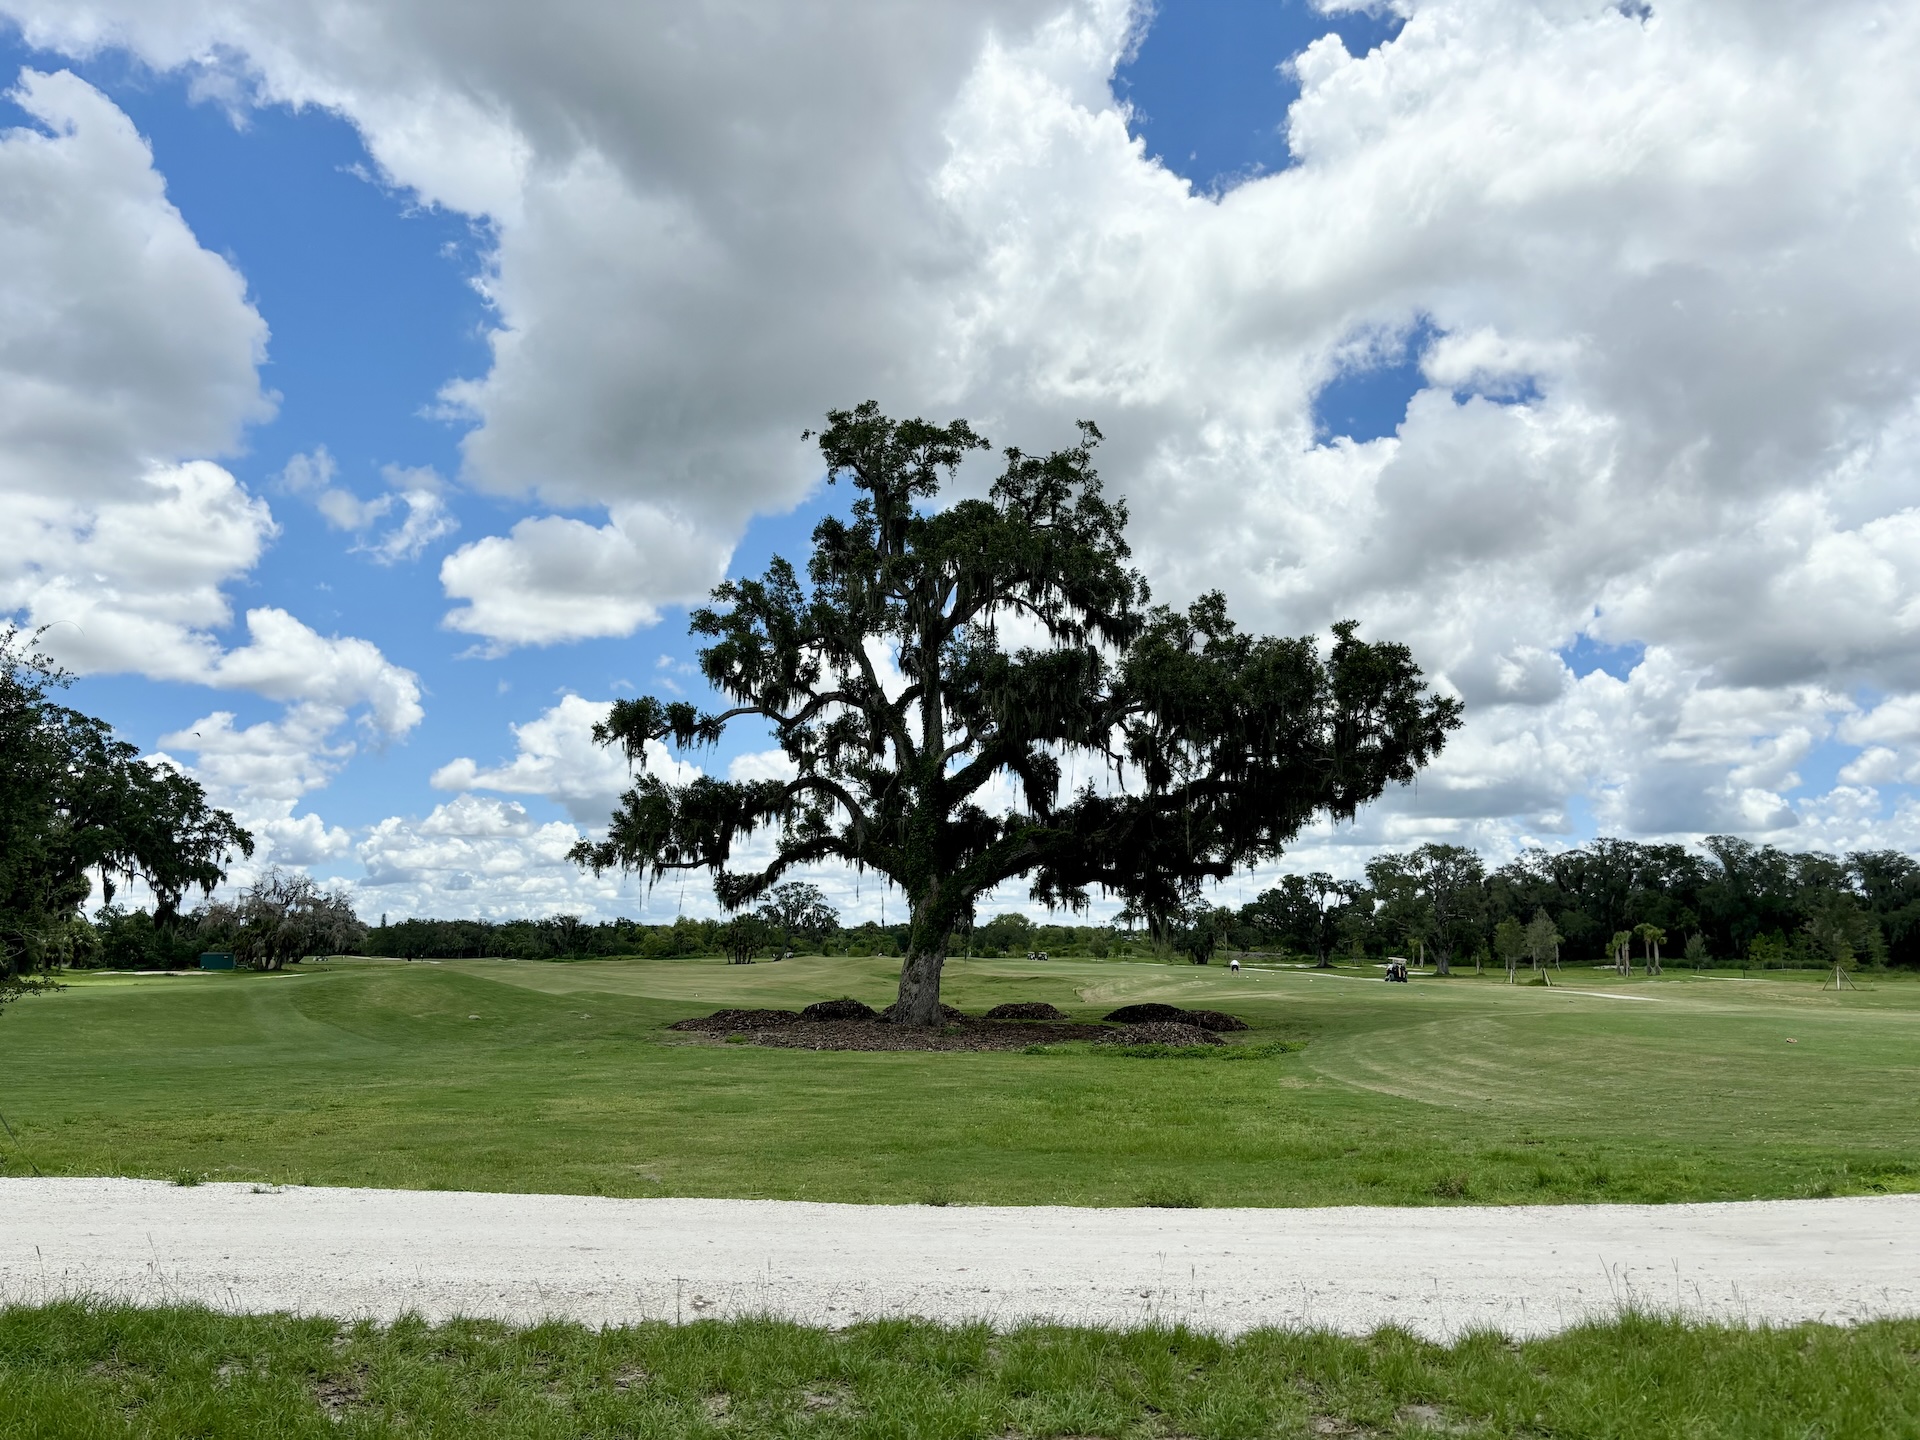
(1526, 1270)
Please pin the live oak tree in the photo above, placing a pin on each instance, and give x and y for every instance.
(1151, 749)
(76, 803)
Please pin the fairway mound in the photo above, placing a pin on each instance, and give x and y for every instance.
(731, 1022)
(1160, 1032)
(1025, 1010)
(842, 1009)
(1153, 1013)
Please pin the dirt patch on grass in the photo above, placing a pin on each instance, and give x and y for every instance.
(337, 1394)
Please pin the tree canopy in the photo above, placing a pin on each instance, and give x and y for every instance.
(1149, 749)
(76, 802)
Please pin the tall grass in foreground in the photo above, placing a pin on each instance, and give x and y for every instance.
(85, 1370)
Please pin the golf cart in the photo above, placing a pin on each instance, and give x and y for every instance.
(1396, 971)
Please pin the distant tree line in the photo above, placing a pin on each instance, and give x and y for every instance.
(278, 920)
(795, 919)
(1731, 902)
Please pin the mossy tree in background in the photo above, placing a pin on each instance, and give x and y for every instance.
(1215, 746)
(743, 937)
(280, 919)
(797, 914)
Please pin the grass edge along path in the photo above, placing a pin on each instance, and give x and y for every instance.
(75, 1369)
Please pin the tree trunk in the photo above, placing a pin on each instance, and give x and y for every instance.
(920, 986)
(1160, 936)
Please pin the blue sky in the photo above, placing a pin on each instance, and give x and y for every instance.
(381, 281)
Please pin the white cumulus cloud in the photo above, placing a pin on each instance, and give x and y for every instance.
(554, 578)
(415, 490)
(478, 856)
(261, 772)
(556, 757)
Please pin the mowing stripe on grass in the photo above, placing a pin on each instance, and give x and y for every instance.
(1609, 995)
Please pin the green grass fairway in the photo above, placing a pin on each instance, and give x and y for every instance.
(497, 1075)
(72, 1371)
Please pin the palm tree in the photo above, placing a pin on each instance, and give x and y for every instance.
(1622, 955)
(1650, 936)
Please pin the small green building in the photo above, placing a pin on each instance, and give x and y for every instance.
(217, 960)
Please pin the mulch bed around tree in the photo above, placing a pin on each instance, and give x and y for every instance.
(843, 1009)
(733, 1022)
(965, 1034)
(840, 1025)
(1153, 1013)
(948, 1015)
(1026, 1010)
